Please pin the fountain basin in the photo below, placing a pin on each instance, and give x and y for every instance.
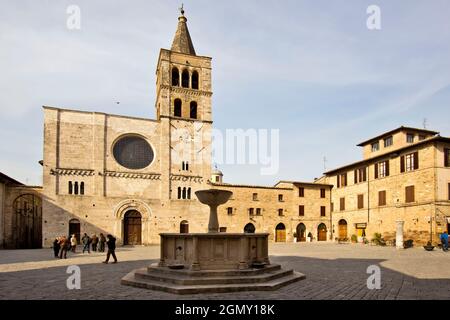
(214, 251)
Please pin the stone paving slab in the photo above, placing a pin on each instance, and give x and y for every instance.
(332, 272)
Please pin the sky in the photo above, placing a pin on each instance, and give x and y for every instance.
(311, 69)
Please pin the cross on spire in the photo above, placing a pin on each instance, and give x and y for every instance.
(182, 9)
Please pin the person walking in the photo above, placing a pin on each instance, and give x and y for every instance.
(94, 241)
(102, 242)
(64, 243)
(56, 247)
(111, 243)
(73, 243)
(444, 241)
(86, 241)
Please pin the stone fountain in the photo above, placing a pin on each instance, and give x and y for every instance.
(214, 261)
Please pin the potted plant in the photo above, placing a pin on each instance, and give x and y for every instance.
(295, 236)
(429, 246)
(354, 238)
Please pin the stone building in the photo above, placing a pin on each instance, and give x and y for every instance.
(404, 176)
(135, 177)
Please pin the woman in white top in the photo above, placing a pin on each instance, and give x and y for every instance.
(73, 243)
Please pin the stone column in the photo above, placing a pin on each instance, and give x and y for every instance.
(213, 225)
(399, 234)
(195, 263)
(162, 262)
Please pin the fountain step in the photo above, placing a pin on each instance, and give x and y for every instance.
(131, 280)
(218, 273)
(184, 279)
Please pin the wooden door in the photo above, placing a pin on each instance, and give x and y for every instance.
(132, 228)
(280, 233)
(342, 229)
(322, 233)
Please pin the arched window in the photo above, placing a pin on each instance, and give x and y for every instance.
(189, 193)
(195, 80)
(76, 188)
(184, 226)
(179, 192)
(193, 110)
(82, 188)
(185, 79)
(183, 166)
(177, 108)
(184, 193)
(70, 187)
(186, 166)
(175, 77)
(249, 228)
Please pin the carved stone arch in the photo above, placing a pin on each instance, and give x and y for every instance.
(133, 205)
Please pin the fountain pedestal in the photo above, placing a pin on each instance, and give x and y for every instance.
(213, 261)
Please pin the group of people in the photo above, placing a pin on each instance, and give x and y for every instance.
(63, 244)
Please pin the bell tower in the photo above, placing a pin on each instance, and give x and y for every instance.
(183, 85)
(183, 108)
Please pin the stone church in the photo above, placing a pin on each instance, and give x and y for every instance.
(135, 177)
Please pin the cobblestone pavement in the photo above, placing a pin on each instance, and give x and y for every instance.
(333, 271)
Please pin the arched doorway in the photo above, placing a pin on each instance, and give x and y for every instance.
(301, 232)
(342, 225)
(132, 227)
(280, 233)
(249, 228)
(27, 222)
(322, 232)
(74, 228)
(184, 226)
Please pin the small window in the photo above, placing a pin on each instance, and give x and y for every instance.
(375, 146)
(76, 188)
(342, 180)
(82, 188)
(179, 193)
(342, 204)
(175, 77)
(301, 192)
(280, 212)
(301, 210)
(177, 108)
(251, 211)
(230, 211)
(70, 187)
(184, 193)
(360, 201)
(280, 198)
(193, 110)
(258, 211)
(409, 138)
(255, 197)
(410, 162)
(323, 211)
(382, 198)
(409, 194)
(388, 141)
(360, 175)
(381, 169)
(189, 193)
(447, 157)
(195, 80)
(185, 79)
(223, 229)
(322, 193)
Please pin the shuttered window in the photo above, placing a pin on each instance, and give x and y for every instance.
(360, 175)
(446, 157)
(322, 211)
(409, 162)
(382, 198)
(301, 210)
(360, 201)
(342, 204)
(342, 180)
(301, 192)
(322, 193)
(409, 194)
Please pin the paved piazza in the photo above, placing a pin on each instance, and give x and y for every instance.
(333, 271)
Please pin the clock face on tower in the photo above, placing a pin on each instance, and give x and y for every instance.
(133, 152)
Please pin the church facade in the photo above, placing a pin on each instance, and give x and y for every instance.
(135, 177)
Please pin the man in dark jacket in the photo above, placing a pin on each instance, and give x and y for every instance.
(111, 243)
(56, 247)
(64, 244)
(86, 242)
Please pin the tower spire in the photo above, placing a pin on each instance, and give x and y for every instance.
(182, 41)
